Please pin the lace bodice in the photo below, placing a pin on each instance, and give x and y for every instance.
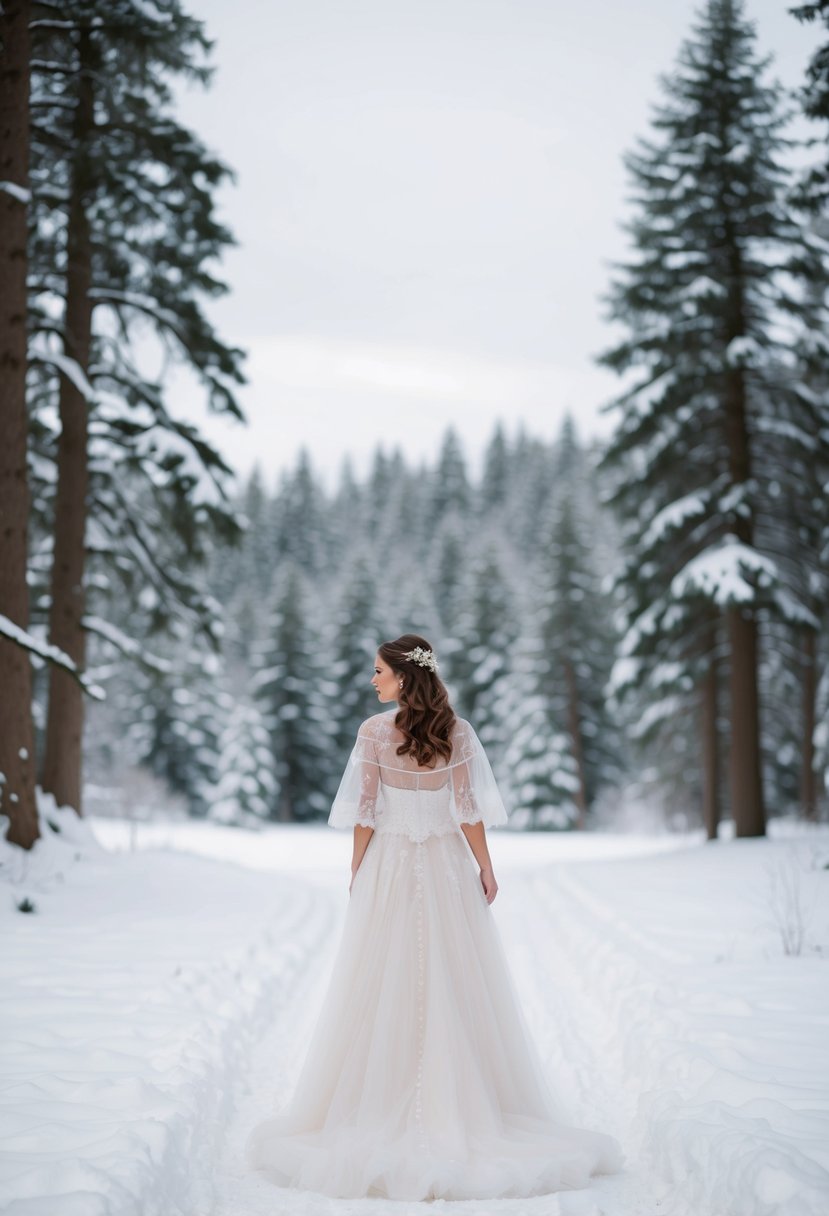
(392, 793)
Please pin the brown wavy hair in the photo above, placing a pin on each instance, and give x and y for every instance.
(425, 716)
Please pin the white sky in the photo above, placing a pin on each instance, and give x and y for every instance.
(428, 195)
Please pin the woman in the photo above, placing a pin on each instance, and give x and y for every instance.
(421, 1080)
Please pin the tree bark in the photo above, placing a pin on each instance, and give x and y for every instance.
(746, 783)
(808, 775)
(745, 770)
(710, 752)
(62, 763)
(17, 747)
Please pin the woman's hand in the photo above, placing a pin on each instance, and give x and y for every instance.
(353, 876)
(488, 883)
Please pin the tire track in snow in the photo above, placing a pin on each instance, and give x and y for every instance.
(576, 1032)
(276, 1057)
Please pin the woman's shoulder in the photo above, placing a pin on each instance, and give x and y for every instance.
(377, 724)
(461, 728)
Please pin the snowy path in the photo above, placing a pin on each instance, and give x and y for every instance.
(713, 1042)
(574, 1032)
(672, 1032)
(273, 1069)
(158, 1004)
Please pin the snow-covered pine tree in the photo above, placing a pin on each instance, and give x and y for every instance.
(17, 748)
(716, 302)
(300, 523)
(445, 568)
(813, 191)
(576, 627)
(241, 573)
(180, 717)
(534, 763)
(296, 691)
(122, 225)
(531, 483)
(486, 630)
(246, 791)
(382, 497)
(495, 479)
(356, 636)
(450, 483)
(348, 512)
(811, 194)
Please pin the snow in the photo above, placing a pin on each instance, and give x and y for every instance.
(68, 366)
(21, 193)
(723, 571)
(126, 645)
(48, 653)
(703, 285)
(743, 351)
(673, 516)
(157, 1000)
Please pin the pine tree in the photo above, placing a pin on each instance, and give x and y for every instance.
(576, 633)
(534, 764)
(348, 514)
(450, 493)
(121, 229)
(354, 645)
(295, 690)
(495, 481)
(300, 525)
(533, 476)
(246, 790)
(486, 631)
(717, 303)
(241, 572)
(446, 570)
(17, 750)
(813, 192)
(181, 717)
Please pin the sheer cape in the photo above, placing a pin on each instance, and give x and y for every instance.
(392, 793)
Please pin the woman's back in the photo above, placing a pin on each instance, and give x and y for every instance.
(393, 793)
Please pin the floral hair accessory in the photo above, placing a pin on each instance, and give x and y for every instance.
(423, 658)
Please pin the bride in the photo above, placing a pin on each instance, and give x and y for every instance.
(421, 1080)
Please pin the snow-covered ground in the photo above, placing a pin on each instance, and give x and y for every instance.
(156, 1002)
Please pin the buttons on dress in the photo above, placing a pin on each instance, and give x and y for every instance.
(418, 872)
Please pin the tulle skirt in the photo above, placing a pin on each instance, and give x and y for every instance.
(421, 1080)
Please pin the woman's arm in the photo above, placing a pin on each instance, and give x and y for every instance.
(362, 835)
(475, 834)
(363, 832)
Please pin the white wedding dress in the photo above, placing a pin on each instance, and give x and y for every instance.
(421, 1080)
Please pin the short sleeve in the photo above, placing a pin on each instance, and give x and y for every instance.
(475, 794)
(356, 799)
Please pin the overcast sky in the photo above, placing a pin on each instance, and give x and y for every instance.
(428, 196)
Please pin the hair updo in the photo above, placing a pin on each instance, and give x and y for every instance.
(425, 716)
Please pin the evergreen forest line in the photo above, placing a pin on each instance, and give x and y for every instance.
(517, 579)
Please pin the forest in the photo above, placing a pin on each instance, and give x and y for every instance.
(637, 627)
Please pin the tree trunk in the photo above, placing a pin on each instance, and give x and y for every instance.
(17, 748)
(745, 772)
(744, 759)
(62, 763)
(808, 776)
(710, 752)
(574, 728)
